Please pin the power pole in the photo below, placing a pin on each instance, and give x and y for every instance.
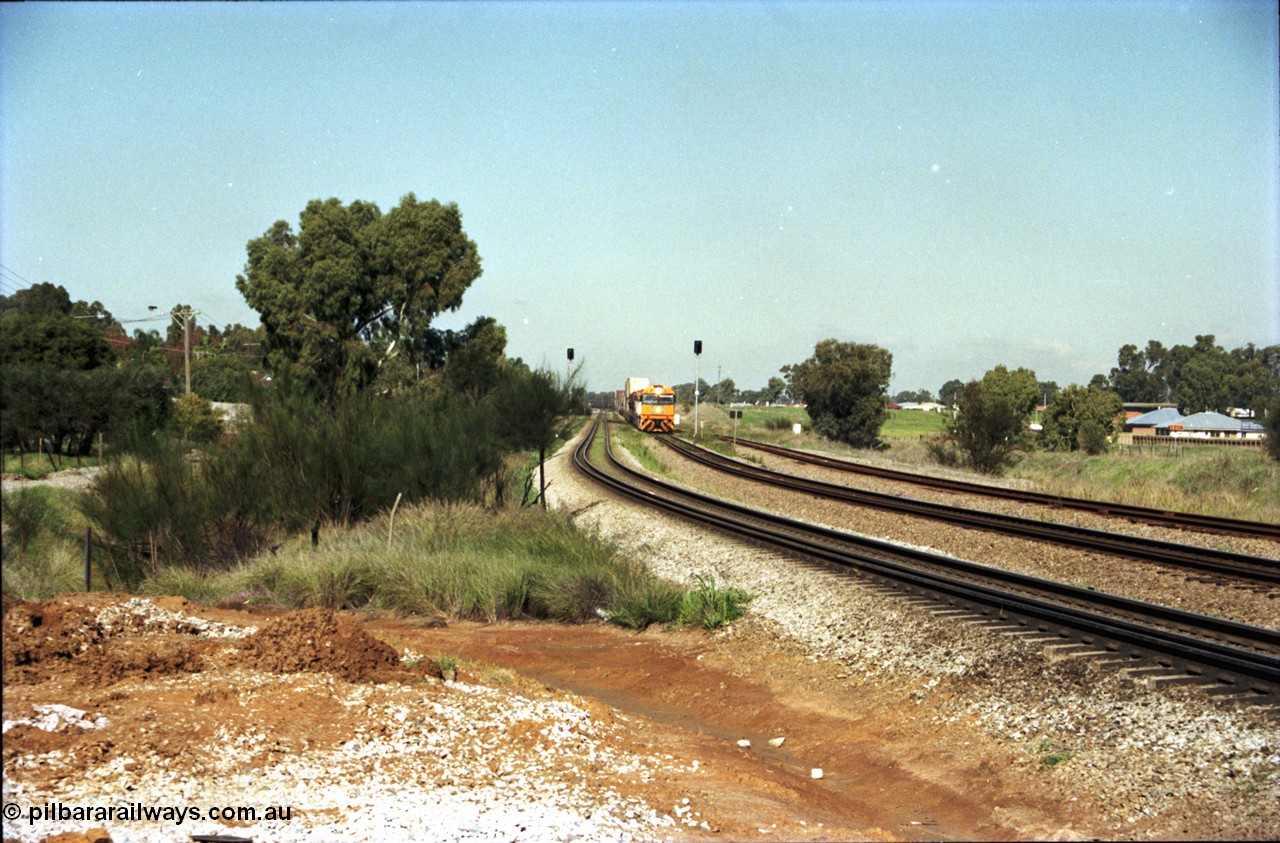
(186, 314)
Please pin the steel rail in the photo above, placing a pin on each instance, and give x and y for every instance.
(1180, 520)
(1236, 565)
(1246, 663)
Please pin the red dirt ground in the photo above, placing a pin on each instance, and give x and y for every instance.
(889, 773)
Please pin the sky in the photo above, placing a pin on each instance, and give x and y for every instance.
(964, 184)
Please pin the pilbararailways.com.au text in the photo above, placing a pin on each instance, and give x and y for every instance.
(140, 812)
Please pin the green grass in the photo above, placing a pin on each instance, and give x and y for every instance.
(1226, 482)
(912, 424)
(1052, 754)
(634, 442)
(43, 543)
(775, 423)
(711, 606)
(449, 561)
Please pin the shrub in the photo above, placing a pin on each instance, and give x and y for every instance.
(172, 509)
(195, 419)
(58, 568)
(1272, 424)
(710, 606)
(25, 516)
(645, 602)
(987, 428)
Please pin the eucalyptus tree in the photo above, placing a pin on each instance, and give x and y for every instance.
(354, 288)
(845, 386)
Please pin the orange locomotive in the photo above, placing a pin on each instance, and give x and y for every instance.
(650, 407)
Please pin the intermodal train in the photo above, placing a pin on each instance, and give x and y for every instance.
(650, 407)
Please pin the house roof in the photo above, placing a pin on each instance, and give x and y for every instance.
(1213, 421)
(1156, 418)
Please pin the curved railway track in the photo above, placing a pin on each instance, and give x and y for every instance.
(1180, 520)
(1230, 659)
(1218, 563)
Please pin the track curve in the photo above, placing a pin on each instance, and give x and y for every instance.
(1237, 566)
(1236, 660)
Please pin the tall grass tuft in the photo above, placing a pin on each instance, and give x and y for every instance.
(42, 553)
(461, 561)
(24, 514)
(57, 569)
(645, 602)
(711, 606)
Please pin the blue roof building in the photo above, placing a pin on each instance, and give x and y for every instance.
(1211, 426)
(1153, 419)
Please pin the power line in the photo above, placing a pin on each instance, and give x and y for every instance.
(21, 282)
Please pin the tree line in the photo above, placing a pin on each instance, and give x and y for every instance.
(845, 387)
(1199, 377)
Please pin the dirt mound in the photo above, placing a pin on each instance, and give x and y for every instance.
(317, 640)
(52, 637)
(52, 631)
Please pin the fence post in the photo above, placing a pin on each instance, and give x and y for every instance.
(88, 547)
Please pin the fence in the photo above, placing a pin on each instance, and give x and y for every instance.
(1179, 441)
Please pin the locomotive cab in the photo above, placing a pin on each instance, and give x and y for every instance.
(650, 407)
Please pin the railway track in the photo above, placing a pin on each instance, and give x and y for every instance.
(1225, 565)
(1230, 659)
(1179, 520)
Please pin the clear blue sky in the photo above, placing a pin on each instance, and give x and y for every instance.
(962, 183)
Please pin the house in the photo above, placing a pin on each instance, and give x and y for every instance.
(1147, 423)
(1211, 426)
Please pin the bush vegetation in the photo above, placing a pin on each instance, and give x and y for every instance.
(459, 561)
(294, 511)
(43, 543)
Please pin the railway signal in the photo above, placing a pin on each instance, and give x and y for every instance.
(697, 375)
(568, 370)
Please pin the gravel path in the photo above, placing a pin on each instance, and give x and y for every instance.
(77, 479)
(1145, 751)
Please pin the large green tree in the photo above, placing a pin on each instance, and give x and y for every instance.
(1203, 383)
(1082, 418)
(41, 325)
(1197, 377)
(950, 391)
(775, 391)
(1018, 388)
(60, 383)
(354, 288)
(845, 386)
(991, 417)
